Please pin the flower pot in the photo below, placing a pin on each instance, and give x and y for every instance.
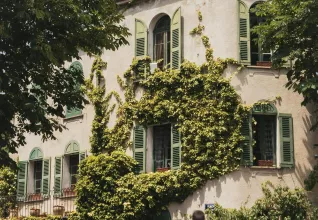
(34, 212)
(35, 197)
(58, 210)
(265, 163)
(264, 63)
(163, 169)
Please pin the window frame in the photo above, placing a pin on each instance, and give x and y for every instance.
(36, 164)
(166, 30)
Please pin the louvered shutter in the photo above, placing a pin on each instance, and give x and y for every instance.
(141, 39)
(244, 31)
(246, 144)
(286, 140)
(22, 179)
(82, 155)
(72, 112)
(176, 40)
(46, 177)
(140, 148)
(175, 148)
(58, 175)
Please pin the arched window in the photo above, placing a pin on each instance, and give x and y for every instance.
(66, 169)
(258, 54)
(162, 40)
(75, 67)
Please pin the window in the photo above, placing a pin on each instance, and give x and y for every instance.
(162, 146)
(34, 176)
(251, 51)
(73, 112)
(162, 40)
(167, 39)
(261, 134)
(66, 169)
(264, 150)
(257, 52)
(164, 143)
(74, 161)
(37, 176)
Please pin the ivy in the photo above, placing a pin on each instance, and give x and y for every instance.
(206, 110)
(8, 179)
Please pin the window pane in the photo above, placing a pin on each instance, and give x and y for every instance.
(159, 38)
(265, 138)
(162, 146)
(159, 52)
(73, 179)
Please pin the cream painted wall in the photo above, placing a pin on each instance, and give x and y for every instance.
(220, 18)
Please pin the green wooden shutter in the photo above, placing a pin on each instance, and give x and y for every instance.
(176, 40)
(244, 32)
(175, 148)
(72, 112)
(46, 177)
(82, 156)
(246, 144)
(22, 179)
(141, 39)
(58, 175)
(140, 148)
(286, 140)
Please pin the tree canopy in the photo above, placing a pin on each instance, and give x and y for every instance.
(37, 39)
(291, 32)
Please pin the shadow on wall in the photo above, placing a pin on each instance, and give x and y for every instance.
(239, 188)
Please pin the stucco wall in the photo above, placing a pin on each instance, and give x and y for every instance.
(253, 84)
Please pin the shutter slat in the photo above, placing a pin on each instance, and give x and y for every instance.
(175, 148)
(22, 179)
(58, 175)
(140, 148)
(246, 144)
(286, 140)
(141, 39)
(244, 29)
(176, 30)
(46, 177)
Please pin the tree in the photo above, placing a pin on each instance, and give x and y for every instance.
(291, 32)
(37, 38)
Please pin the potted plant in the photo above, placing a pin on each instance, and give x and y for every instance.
(265, 163)
(35, 197)
(69, 192)
(34, 212)
(58, 210)
(264, 63)
(163, 169)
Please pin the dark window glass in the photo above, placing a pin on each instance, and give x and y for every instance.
(265, 138)
(162, 146)
(257, 52)
(162, 41)
(74, 161)
(37, 176)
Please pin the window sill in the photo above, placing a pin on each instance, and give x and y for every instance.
(73, 118)
(259, 67)
(264, 167)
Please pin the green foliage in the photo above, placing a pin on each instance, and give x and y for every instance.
(197, 30)
(37, 39)
(49, 217)
(290, 31)
(205, 108)
(312, 179)
(8, 180)
(278, 202)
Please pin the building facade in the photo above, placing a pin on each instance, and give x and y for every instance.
(161, 29)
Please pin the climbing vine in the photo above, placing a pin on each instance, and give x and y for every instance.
(207, 112)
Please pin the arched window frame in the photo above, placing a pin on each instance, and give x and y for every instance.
(166, 34)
